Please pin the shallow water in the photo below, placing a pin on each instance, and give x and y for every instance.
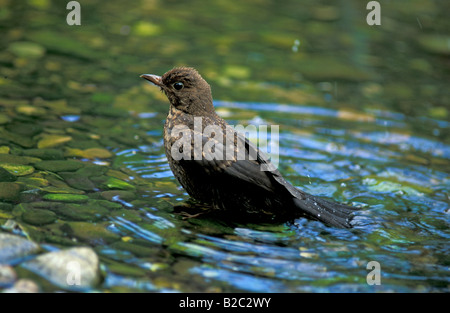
(362, 115)
(403, 224)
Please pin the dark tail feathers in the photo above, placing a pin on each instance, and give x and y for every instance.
(333, 214)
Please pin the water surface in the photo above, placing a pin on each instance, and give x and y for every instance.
(363, 119)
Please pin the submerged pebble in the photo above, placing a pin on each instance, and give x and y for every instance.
(80, 212)
(21, 140)
(49, 141)
(17, 169)
(114, 195)
(91, 153)
(92, 233)
(63, 197)
(23, 286)
(7, 275)
(16, 159)
(27, 49)
(38, 217)
(44, 154)
(59, 165)
(6, 176)
(77, 181)
(71, 269)
(13, 247)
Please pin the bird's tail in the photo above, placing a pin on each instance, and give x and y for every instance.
(334, 214)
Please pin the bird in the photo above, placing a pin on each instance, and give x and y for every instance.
(224, 171)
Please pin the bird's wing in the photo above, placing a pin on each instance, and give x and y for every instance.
(250, 171)
(238, 158)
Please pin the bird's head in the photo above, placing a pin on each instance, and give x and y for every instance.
(186, 90)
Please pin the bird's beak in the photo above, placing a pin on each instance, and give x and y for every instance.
(155, 79)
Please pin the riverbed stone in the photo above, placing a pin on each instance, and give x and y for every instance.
(5, 149)
(13, 247)
(59, 165)
(113, 195)
(71, 269)
(7, 275)
(106, 204)
(44, 154)
(6, 207)
(31, 110)
(49, 141)
(4, 119)
(38, 217)
(6, 176)
(91, 153)
(115, 183)
(92, 170)
(9, 191)
(26, 129)
(66, 197)
(17, 159)
(91, 233)
(18, 169)
(78, 181)
(22, 141)
(26, 49)
(435, 43)
(23, 286)
(80, 212)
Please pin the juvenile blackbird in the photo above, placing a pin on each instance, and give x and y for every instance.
(219, 177)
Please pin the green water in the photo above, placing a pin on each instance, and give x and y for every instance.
(363, 113)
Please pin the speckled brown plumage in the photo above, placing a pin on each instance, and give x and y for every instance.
(236, 186)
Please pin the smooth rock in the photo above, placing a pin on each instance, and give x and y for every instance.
(435, 43)
(59, 165)
(44, 154)
(6, 176)
(114, 195)
(4, 119)
(77, 181)
(13, 247)
(4, 149)
(17, 169)
(49, 141)
(92, 233)
(27, 49)
(6, 206)
(114, 183)
(91, 153)
(91, 170)
(28, 130)
(17, 159)
(23, 286)
(83, 212)
(66, 197)
(38, 217)
(106, 204)
(31, 110)
(9, 191)
(72, 269)
(23, 141)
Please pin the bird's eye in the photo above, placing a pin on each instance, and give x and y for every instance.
(178, 85)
